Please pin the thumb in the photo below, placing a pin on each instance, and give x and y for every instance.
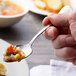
(72, 22)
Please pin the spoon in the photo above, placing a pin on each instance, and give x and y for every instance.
(27, 49)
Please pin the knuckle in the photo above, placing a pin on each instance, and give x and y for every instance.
(56, 53)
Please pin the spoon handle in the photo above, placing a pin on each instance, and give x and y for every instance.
(38, 34)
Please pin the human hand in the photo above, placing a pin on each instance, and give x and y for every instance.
(62, 34)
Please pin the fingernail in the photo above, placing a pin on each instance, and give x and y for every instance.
(70, 40)
(50, 33)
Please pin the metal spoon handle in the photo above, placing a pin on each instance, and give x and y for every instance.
(38, 34)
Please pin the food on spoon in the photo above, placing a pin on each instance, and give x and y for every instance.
(2, 70)
(40, 4)
(10, 8)
(13, 54)
(54, 5)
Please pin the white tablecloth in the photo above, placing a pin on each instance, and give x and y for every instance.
(56, 68)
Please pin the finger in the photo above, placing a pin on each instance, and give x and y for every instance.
(68, 60)
(73, 60)
(63, 41)
(72, 21)
(50, 33)
(46, 21)
(65, 53)
(63, 30)
(59, 19)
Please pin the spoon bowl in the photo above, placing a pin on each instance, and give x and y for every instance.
(26, 49)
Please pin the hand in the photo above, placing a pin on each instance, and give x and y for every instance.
(63, 35)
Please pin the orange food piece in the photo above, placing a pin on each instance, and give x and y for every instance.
(9, 49)
(4, 13)
(15, 48)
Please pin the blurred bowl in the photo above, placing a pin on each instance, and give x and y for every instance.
(6, 21)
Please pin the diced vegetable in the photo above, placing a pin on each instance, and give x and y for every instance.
(17, 56)
(20, 54)
(9, 49)
(15, 48)
(4, 13)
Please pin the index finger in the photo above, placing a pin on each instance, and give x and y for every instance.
(46, 21)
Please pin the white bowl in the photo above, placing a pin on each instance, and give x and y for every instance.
(6, 21)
